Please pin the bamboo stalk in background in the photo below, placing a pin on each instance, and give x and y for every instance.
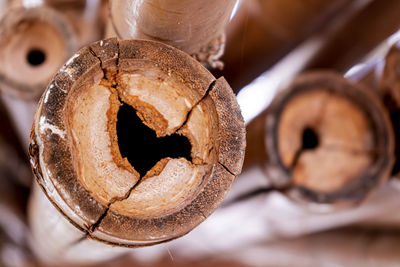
(363, 33)
(382, 76)
(84, 17)
(48, 37)
(195, 27)
(262, 32)
(33, 44)
(327, 140)
(110, 187)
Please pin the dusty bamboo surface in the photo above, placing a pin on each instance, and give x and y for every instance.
(77, 181)
(195, 27)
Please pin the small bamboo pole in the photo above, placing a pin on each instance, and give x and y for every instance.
(327, 140)
(368, 80)
(195, 27)
(33, 44)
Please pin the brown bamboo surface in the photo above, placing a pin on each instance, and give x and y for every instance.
(262, 32)
(359, 36)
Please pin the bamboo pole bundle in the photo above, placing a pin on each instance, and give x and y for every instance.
(195, 27)
(120, 188)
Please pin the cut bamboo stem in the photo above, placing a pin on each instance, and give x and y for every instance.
(195, 27)
(34, 43)
(328, 141)
(102, 185)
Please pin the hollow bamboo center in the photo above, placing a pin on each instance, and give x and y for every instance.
(325, 139)
(33, 50)
(143, 146)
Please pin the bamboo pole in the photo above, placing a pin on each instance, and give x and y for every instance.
(353, 42)
(327, 140)
(255, 155)
(56, 242)
(107, 191)
(195, 27)
(33, 44)
(263, 32)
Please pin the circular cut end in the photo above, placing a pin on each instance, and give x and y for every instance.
(149, 142)
(330, 140)
(34, 43)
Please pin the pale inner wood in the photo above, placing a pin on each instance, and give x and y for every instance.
(15, 48)
(345, 140)
(93, 158)
(165, 106)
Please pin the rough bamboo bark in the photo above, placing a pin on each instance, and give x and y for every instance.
(34, 43)
(100, 184)
(327, 140)
(196, 27)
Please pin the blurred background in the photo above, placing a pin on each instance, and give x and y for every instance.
(268, 43)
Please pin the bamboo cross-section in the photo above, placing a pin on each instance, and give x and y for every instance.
(34, 43)
(196, 27)
(93, 142)
(327, 140)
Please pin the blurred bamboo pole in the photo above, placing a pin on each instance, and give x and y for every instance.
(56, 242)
(362, 34)
(318, 154)
(262, 32)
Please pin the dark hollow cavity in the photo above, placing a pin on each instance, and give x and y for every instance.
(142, 147)
(35, 57)
(310, 139)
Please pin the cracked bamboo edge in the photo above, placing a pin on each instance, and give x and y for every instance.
(354, 153)
(195, 27)
(105, 212)
(27, 29)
